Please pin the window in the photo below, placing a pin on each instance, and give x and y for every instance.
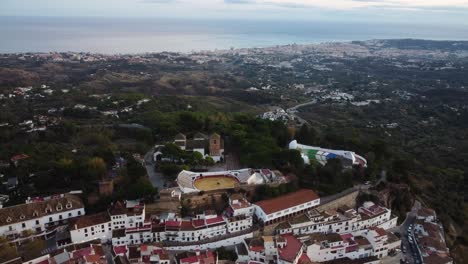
(69, 214)
(79, 212)
(68, 205)
(50, 219)
(60, 217)
(37, 222)
(23, 225)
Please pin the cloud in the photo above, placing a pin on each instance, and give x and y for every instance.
(159, 1)
(240, 1)
(353, 4)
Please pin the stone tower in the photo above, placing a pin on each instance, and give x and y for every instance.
(215, 145)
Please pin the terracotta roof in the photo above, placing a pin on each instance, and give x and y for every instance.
(120, 250)
(134, 252)
(19, 157)
(380, 231)
(204, 257)
(304, 259)
(25, 212)
(292, 249)
(90, 220)
(287, 201)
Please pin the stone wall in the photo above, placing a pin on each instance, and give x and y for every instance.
(347, 198)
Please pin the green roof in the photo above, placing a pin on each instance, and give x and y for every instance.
(311, 153)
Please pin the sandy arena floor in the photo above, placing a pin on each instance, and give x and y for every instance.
(214, 183)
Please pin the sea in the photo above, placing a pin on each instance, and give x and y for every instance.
(141, 35)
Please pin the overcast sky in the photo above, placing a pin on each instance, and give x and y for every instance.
(436, 12)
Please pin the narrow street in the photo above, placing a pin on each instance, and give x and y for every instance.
(156, 178)
(411, 252)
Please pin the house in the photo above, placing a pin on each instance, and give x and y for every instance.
(91, 227)
(17, 158)
(147, 254)
(280, 208)
(284, 249)
(372, 242)
(198, 257)
(39, 214)
(212, 146)
(342, 220)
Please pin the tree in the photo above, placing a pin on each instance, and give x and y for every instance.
(306, 135)
(173, 152)
(33, 248)
(196, 159)
(170, 170)
(290, 158)
(209, 161)
(66, 169)
(96, 168)
(142, 188)
(7, 250)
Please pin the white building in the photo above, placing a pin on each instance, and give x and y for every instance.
(91, 227)
(39, 214)
(322, 155)
(280, 208)
(128, 215)
(343, 220)
(372, 242)
(171, 229)
(284, 249)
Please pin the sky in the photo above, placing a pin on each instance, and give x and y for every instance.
(435, 12)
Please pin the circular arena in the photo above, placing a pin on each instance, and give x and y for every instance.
(207, 181)
(215, 182)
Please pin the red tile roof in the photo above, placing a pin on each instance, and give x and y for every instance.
(206, 257)
(90, 220)
(216, 220)
(198, 223)
(304, 259)
(380, 231)
(291, 250)
(287, 201)
(120, 250)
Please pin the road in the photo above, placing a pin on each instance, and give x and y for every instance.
(412, 253)
(292, 111)
(156, 178)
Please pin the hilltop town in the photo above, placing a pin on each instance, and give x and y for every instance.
(324, 153)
